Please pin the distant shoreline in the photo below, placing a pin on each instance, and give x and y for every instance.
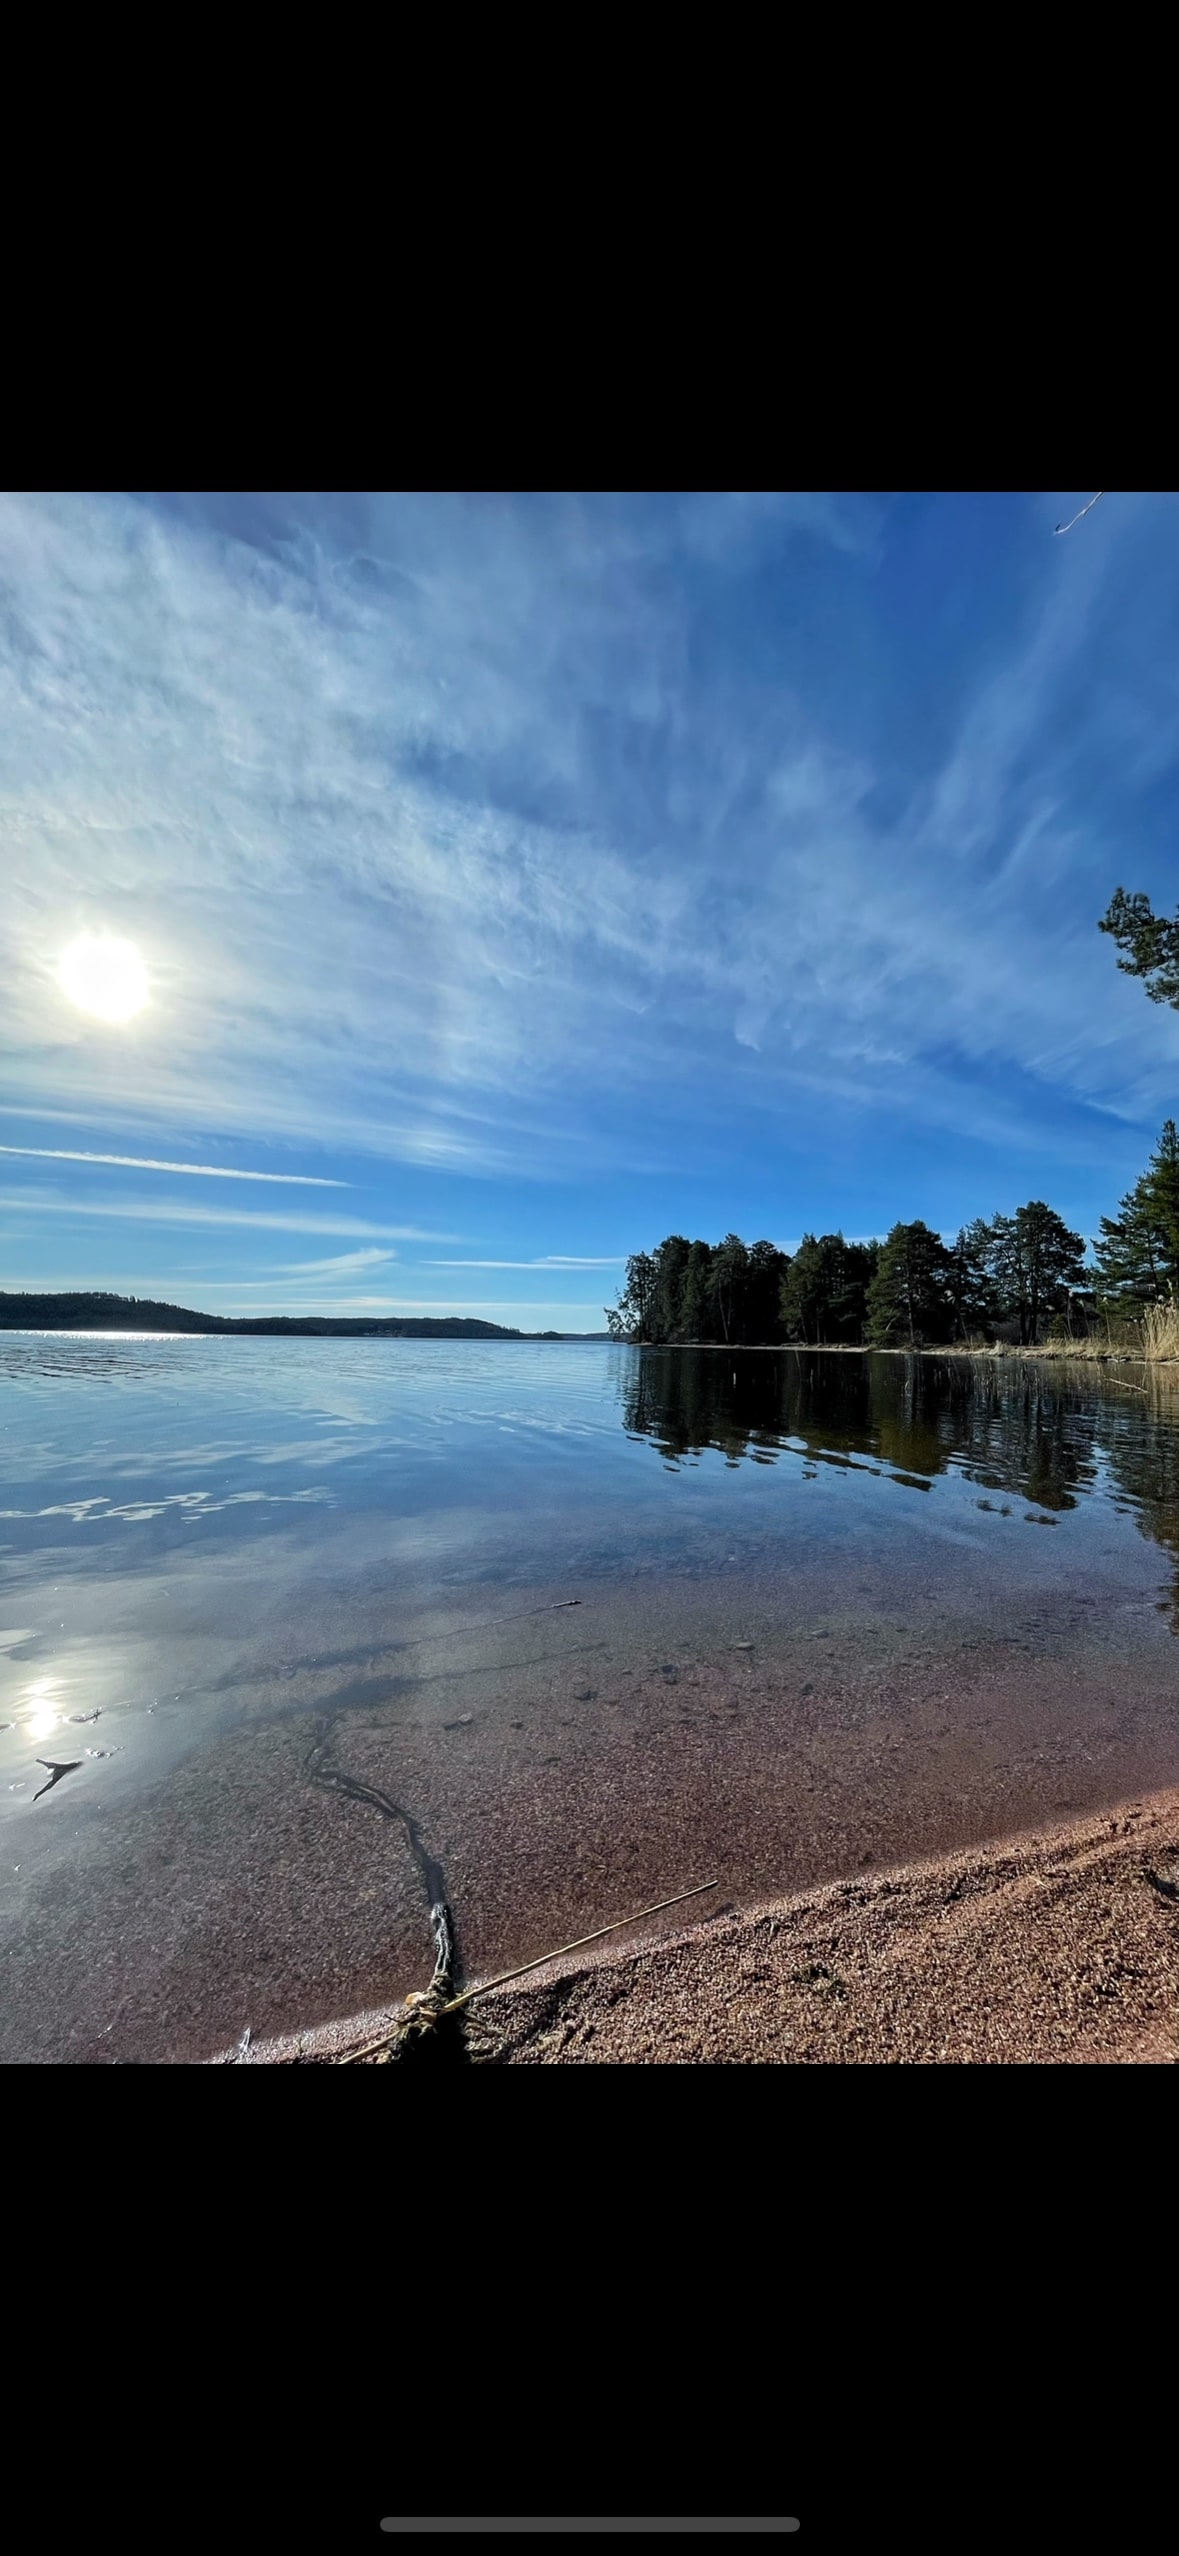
(94, 1311)
(284, 1329)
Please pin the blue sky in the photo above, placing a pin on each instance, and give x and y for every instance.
(519, 879)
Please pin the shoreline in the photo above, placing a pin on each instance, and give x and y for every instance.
(1059, 1945)
(570, 1769)
(1055, 1355)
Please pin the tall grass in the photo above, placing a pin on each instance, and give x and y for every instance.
(1124, 1344)
(1160, 1331)
(1152, 1340)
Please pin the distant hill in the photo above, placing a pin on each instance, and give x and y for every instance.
(94, 1311)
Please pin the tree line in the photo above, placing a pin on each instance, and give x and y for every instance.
(1022, 1276)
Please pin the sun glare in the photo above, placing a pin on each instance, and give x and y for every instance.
(104, 976)
(42, 1703)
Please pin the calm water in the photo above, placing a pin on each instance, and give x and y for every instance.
(828, 1609)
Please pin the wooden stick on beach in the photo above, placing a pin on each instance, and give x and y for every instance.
(383, 2039)
(599, 1931)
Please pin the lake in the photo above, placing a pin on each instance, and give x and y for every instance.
(605, 1621)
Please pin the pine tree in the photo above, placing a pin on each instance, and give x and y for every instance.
(909, 1298)
(767, 1269)
(848, 1300)
(971, 1290)
(1162, 1189)
(824, 1288)
(730, 1267)
(671, 1261)
(1150, 942)
(695, 1293)
(800, 1291)
(1137, 1251)
(1129, 1261)
(1035, 1261)
(630, 1318)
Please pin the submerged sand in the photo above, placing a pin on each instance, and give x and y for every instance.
(1058, 1945)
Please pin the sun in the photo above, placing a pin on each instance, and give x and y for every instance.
(104, 976)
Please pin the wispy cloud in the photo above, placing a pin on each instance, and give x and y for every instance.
(375, 918)
(551, 1260)
(143, 1162)
(491, 1308)
(151, 1211)
(341, 1265)
(294, 1274)
(535, 839)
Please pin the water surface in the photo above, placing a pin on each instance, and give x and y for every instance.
(604, 1620)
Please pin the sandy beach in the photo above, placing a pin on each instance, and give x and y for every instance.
(1058, 1946)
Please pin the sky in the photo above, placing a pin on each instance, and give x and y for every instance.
(515, 879)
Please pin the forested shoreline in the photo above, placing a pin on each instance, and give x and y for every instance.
(94, 1310)
(1023, 1278)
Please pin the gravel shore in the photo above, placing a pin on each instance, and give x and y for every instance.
(1061, 1945)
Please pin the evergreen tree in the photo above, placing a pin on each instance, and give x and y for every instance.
(695, 1293)
(767, 1269)
(971, 1288)
(1035, 1261)
(630, 1318)
(803, 1291)
(1137, 1251)
(1150, 943)
(823, 1289)
(909, 1300)
(671, 1262)
(848, 1303)
(686, 1291)
(730, 1270)
(1162, 1190)
(1129, 1267)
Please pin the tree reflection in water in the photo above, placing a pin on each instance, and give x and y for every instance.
(1045, 1437)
